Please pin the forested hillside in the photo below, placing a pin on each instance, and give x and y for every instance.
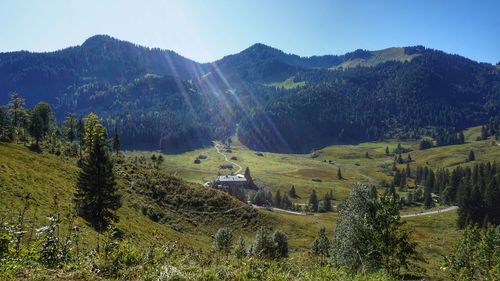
(158, 99)
(389, 100)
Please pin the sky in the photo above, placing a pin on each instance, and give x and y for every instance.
(206, 30)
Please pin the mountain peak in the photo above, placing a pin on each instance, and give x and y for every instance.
(100, 39)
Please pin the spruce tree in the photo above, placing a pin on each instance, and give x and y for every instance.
(313, 201)
(387, 150)
(223, 240)
(286, 203)
(327, 203)
(70, 127)
(249, 178)
(339, 174)
(280, 244)
(428, 202)
(240, 248)
(277, 199)
(472, 156)
(116, 141)
(292, 192)
(42, 120)
(321, 246)
(96, 196)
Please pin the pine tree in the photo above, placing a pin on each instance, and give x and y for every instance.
(116, 141)
(327, 203)
(321, 246)
(387, 150)
(292, 192)
(240, 248)
(42, 120)
(96, 195)
(339, 174)
(280, 244)
(428, 202)
(408, 170)
(263, 245)
(484, 133)
(471, 157)
(278, 200)
(249, 178)
(18, 115)
(492, 200)
(70, 127)
(313, 201)
(4, 126)
(223, 240)
(286, 203)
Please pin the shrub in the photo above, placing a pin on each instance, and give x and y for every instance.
(223, 240)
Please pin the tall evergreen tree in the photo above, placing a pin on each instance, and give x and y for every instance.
(327, 203)
(286, 203)
(313, 201)
(321, 246)
(428, 202)
(249, 178)
(292, 193)
(116, 141)
(492, 200)
(70, 127)
(42, 120)
(96, 196)
(339, 174)
(472, 156)
(277, 199)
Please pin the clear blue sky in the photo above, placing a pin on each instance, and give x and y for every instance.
(205, 30)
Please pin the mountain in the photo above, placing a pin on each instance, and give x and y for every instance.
(45, 76)
(158, 99)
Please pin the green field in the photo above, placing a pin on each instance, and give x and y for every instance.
(45, 176)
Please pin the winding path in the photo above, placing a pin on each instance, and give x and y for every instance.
(216, 146)
(280, 210)
(449, 209)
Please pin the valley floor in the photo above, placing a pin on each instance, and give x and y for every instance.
(46, 176)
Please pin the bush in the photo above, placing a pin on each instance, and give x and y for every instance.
(223, 240)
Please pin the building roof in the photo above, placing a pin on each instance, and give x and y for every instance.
(237, 178)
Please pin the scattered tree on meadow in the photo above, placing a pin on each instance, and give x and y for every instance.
(369, 234)
(70, 127)
(42, 120)
(223, 240)
(292, 193)
(249, 178)
(313, 201)
(286, 203)
(240, 250)
(278, 199)
(96, 196)
(471, 157)
(321, 246)
(339, 174)
(475, 256)
(387, 150)
(280, 244)
(327, 203)
(426, 144)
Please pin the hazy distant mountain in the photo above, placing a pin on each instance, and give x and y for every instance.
(45, 76)
(284, 102)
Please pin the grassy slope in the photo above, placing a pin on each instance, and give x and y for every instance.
(436, 234)
(287, 84)
(44, 176)
(389, 54)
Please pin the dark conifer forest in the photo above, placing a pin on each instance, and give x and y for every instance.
(158, 99)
